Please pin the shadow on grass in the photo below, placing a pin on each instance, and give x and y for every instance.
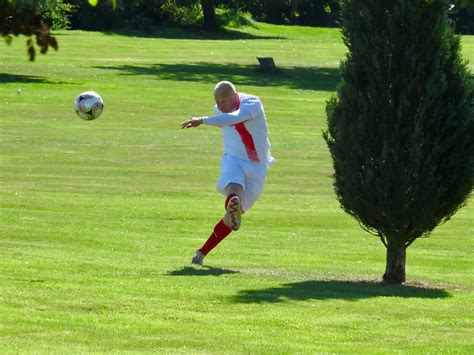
(325, 290)
(200, 271)
(306, 78)
(15, 78)
(191, 32)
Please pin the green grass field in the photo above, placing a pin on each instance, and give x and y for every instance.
(99, 219)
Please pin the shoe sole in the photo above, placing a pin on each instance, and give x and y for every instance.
(235, 212)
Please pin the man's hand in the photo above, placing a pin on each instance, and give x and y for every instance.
(192, 122)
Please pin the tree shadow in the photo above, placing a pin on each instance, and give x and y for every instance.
(201, 271)
(305, 78)
(32, 79)
(336, 289)
(15, 78)
(189, 32)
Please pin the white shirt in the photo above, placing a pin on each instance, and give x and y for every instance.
(244, 131)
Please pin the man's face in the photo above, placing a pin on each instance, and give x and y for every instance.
(225, 103)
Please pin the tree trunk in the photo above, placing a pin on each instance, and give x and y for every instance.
(210, 19)
(396, 257)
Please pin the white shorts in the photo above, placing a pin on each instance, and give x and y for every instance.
(249, 175)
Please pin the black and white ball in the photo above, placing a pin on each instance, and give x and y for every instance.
(89, 105)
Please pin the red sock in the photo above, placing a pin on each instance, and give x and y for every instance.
(221, 230)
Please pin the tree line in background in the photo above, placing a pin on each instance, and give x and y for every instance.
(211, 14)
(34, 18)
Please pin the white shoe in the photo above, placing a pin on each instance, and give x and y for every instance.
(198, 258)
(234, 211)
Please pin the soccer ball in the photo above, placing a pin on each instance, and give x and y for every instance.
(89, 105)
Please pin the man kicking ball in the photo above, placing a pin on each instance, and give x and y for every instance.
(245, 161)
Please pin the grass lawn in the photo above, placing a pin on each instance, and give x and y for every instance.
(99, 219)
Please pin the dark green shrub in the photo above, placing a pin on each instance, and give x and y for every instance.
(401, 129)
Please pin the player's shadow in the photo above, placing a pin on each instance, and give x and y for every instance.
(200, 271)
(305, 78)
(336, 289)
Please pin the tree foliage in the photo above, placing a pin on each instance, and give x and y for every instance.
(401, 129)
(141, 14)
(106, 14)
(298, 12)
(22, 17)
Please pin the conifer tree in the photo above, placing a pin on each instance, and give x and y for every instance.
(401, 126)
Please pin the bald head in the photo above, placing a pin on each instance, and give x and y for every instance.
(224, 89)
(225, 95)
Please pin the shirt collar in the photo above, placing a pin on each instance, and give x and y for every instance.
(237, 103)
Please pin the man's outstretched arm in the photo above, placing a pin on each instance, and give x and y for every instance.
(221, 119)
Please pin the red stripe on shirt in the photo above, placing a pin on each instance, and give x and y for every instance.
(247, 140)
(245, 135)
